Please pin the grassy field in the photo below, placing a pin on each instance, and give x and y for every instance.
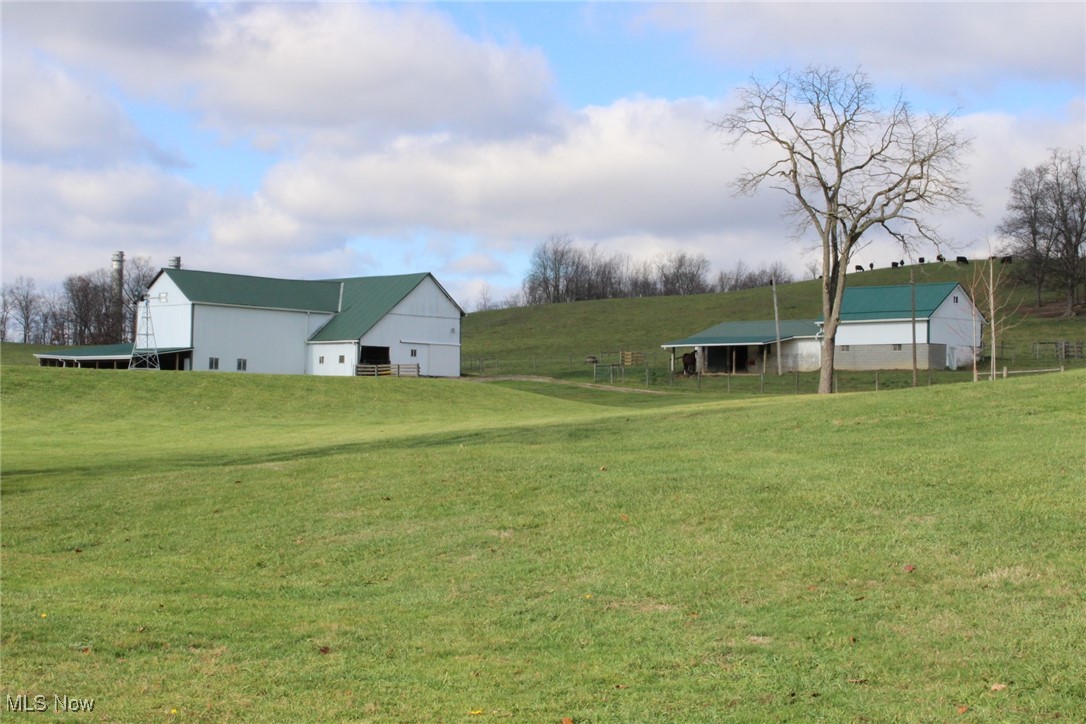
(235, 548)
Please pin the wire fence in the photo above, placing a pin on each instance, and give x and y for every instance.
(653, 371)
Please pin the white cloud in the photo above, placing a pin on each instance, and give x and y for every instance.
(351, 71)
(937, 47)
(62, 221)
(49, 115)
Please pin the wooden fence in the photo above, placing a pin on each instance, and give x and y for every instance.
(411, 370)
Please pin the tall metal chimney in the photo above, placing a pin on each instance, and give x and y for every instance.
(175, 262)
(118, 295)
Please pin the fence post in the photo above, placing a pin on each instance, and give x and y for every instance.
(876, 380)
(797, 382)
(1004, 371)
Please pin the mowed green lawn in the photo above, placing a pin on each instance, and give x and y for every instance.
(240, 547)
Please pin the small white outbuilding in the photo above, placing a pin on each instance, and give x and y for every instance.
(875, 333)
(876, 329)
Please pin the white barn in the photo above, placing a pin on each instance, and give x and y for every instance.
(228, 322)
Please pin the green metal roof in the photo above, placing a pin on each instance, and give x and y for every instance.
(247, 291)
(741, 334)
(101, 351)
(861, 304)
(358, 303)
(366, 300)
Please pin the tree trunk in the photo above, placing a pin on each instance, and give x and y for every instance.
(825, 374)
(833, 289)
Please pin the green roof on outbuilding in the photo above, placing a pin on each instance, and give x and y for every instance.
(739, 334)
(101, 351)
(861, 304)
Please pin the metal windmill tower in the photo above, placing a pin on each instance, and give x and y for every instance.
(144, 349)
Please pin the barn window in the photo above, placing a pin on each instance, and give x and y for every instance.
(213, 363)
(242, 364)
(342, 359)
(321, 360)
(896, 347)
(845, 348)
(955, 298)
(414, 353)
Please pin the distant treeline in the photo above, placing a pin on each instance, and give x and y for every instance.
(562, 271)
(88, 308)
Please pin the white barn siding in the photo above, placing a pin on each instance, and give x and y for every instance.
(427, 322)
(957, 325)
(171, 315)
(881, 332)
(324, 359)
(269, 340)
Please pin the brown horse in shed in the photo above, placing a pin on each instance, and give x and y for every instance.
(690, 363)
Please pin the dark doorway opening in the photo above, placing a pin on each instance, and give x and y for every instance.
(373, 356)
(719, 359)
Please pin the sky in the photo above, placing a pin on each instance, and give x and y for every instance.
(309, 141)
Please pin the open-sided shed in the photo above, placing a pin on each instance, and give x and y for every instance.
(752, 346)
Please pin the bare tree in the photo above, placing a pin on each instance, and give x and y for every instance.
(139, 272)
(1028, 225)
(91, 307)
(1068, 204)
(850, 165)
(6, 307)
(682, 273)
(990, 289)
(641, 280)
(54, 325)
(484, 302)
(552, 264)
(25, 302)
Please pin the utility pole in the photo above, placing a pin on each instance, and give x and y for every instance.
(777, 321)
(912, 295)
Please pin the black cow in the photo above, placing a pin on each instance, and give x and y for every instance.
(1006, 259)
(859, 268)
(893, 265)
(940, 258)
(962, 260)
(690, 363)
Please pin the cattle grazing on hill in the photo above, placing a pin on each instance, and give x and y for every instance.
(962, 260)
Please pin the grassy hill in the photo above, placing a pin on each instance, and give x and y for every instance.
(239, 547)
(553, 335)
